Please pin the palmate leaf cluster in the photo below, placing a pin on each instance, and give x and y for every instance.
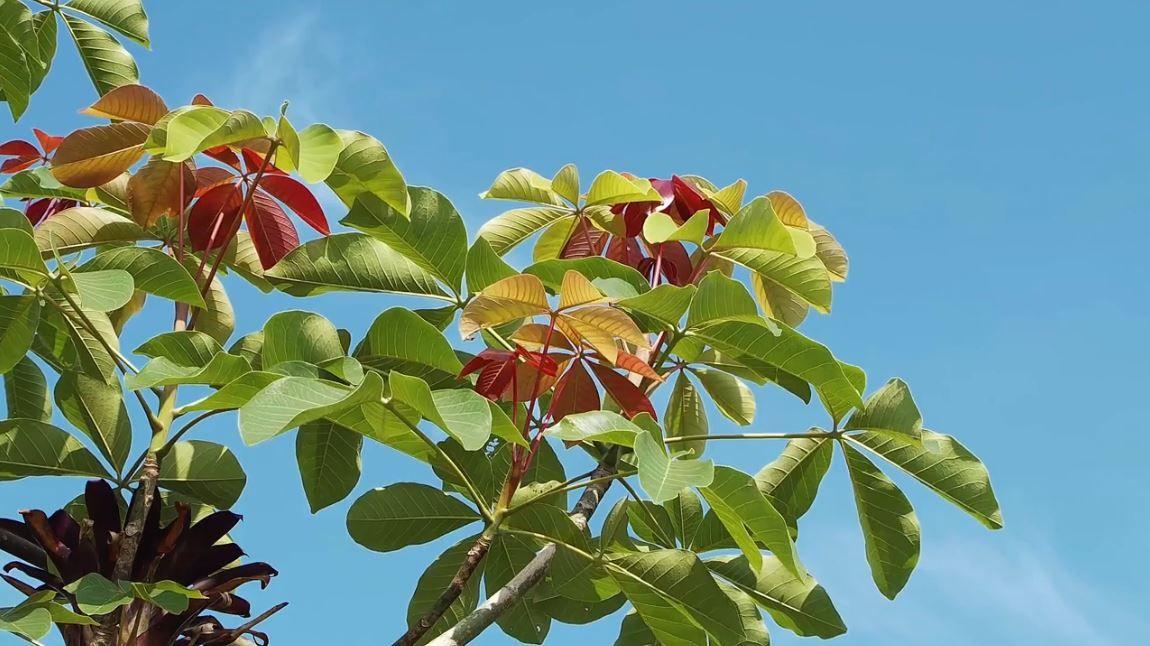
(635, 285)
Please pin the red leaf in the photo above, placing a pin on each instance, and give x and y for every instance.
(626, 394)
(586, 241)
(214, 215)
(37, 210)
(254, 161)
(210, 177)
(689, 201)
(625, 251)
(298, 198)
(495, 380)
(273, 234)
(544, 362)
(200, 99)
(527, 376)
(19, 148)
(484, 359)
(676, 265)
(47, 142)
(17, 164)
(225, 155)
(575, 392)
(635, 365)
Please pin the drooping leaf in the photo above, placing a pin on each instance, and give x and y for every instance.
(15, 74)
(32, 448)
(109, 65)
(778, 302)
(732, 397)
(890, 526)
(272, 233)
(26, 392)
(718, 298)
(350, 262)
(155, 190)
(801, 607)
(82, 227)
(97, 408)
(125, 16)
(524, 620)
(791, 481)
(432, 235)
(663, 476)
(329, 462)
(19, 316)
(806, 278)
(751, 519)
(944, 465)
(319, 148)
(831, 253)
(435, 580)
(204, 471)
(686, 415)
(782, 347)
(507, 230)
(404, 514)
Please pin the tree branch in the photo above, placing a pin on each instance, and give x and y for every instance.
(470, 626)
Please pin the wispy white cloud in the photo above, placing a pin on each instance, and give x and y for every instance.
(295, 59)
(986, 590)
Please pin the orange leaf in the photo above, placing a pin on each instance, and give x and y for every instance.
(577, 290)
(600, 326)
(154, 190)
(788, 209)
(532, 336)
(635, 365)
(129, 103)
(515, 297)
(93, 156)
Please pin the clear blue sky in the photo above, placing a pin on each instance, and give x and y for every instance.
(987, 167)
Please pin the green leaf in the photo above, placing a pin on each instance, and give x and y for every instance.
(125, 16)
(187, 357)
(404, 514)
(197, 128)
(32, 448)
(551, 272)
(400, 340)
(890, 526)
(30, 622)
(685, 415)
(755, 226)
(26, 392)
(792, 480)
(169, 595)
(523, 621)
(633, 631)
(462, 414)
(109, 65)
(665, 304)
(660, 227)
(732, 397)
(505, 231)
(18, 252)
(943, 464)
(365, 167)
(801, 607)
(37, 183)
(71, 342)
(45, 27)
(435, 580)
(218, 319)
(753, 626)
(152, 270)
(890, 410)
(204, 471)
(19, 316)
(610, 187)
(319, 149)
(750, 518)
(83, 227)
(663, 476)
(673, 592)
(806, 278)
(432, 235)
(523, 185)
(13, 219)
(105, 290)
(294, 401)
(778, 302)
(566, 183)
(484, 266)
(686, 513)
(782, 347)
(329, 462)
(299, 336)
(235, 394)
(96, 595)
(15, 74)
(572, 611)
(719, 298)
(97, 408)
(351, 262)
(596, 426)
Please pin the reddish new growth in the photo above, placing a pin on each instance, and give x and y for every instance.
(24, 155)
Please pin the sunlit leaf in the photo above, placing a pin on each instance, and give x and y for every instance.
(509, 299)
(204, 471)
(97, 408)
(152, 271)
(663, 476)
(523, 185)
(19, 316)
(103, 290)
(125, 16)
(97, 155)
(364, 166)
(791, 481)
(405, 514)
(751, 519)
(109, 65)
(32, 448)
(329, 462)
(128, 103)
(802, 607)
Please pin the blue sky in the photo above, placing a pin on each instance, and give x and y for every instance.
(986, 166)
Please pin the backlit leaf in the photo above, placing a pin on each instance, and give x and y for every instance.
(512, 298)
(19, 316)
(802, 607)
(890, 410)
(152, 271)
(129, 103)
(125, 16)
(663, 476)
(400, 340)
(203, 471)
(97, 408)
(791, 481)
(508, 229)
(32, 448)
(364, 166)
(751, 519)
(109, 65)
(103, 290)
(97, 155)
(523, 185)
(404, 514)
(329, 462)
